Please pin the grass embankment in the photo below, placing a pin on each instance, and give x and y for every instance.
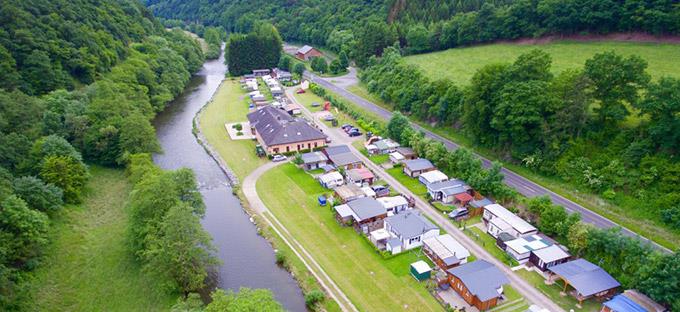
(89, 267)
(460, 64)
(635, 220)
(371, 282)
(567, 302)
(230, 104)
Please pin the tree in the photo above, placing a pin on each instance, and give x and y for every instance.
(260, 48)
(335, 67)
(299, 68)
(137, 135)
(398, 123)
(25, 228)
(37, 194)
(578, 237)
(284, 63)
(372, 39)
(52, 145)
(67, 173)
(181, 250)
(617, 83)
(662, 105)
(417, 39)
(344, 59)
(244, 301)
(319, 64)
(660, 279)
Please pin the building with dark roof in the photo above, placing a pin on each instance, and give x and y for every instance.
(480, 283)
(587, 279)
(446, 191)
(342, 156)
(278, 132)
(411, 229)
(413, 168)
(367, 214)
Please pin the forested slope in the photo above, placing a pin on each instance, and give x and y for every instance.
(81, 81)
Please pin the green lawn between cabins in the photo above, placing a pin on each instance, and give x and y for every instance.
(230, 104)
(460, 64)
(489, 243)
(88, 266)
(371, 282)
(567, 302)
(307, 98)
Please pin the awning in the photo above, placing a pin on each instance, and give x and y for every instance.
(464, 197)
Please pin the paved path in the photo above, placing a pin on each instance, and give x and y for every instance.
(523, 185)
(250, 192)
(522, 286)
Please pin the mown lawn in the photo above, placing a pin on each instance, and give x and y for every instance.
(410, 183)
(88, 267)
(489, 243)
(230, 104)
(371, 282)
(553, 292)
(460, 64)
(377, 159)
(307, 98)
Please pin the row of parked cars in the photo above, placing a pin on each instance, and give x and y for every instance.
(351, 130)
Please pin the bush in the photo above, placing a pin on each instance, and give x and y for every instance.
(239, 133)
(281, 258)
(238, 126)
(313, 297)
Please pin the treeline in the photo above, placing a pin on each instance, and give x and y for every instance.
(52, 122)
(363, 29)
(165, 230)
(571, 126)
(214, 36)
(261, 48)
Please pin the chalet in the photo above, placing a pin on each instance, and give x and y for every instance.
(307, 52)
(588, 280)
(547, 257)
(521, 248)
(396, 158)
(342, 156)
(445, 251)
(415, 167)
(360, 176)
(276, 91)
(331, 180)
(260, 72)
(498, 219)
(385, 146)
(480, 283)
(366, 213)
(313, 160)
(293, 109)
(394, 204)
(282, 75)
(410, 228)
(449, 191)
(349, 192)
(368, 191)
(632, 300)
(432, 177)
(278, 132)
(407, 152)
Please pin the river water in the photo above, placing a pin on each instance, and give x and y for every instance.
(248, 259)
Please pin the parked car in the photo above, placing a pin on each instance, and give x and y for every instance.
(458, 213)
(329, 117)
(381, 190)
(279, 157)
(328, 140)
(300, 91)
(315, 104)
(354, 132)
(346, 126)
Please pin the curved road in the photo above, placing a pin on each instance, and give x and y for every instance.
(523, 185)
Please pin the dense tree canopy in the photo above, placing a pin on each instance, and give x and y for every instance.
(261, 48)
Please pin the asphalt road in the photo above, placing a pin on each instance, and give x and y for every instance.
(523, 185)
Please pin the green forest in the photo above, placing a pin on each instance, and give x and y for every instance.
(81, 82)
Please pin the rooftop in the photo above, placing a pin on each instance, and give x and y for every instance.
(481, 278)
(409, 224)
(434, 176)
(305, 49)
(405, 151)
(445, 247)
(587, 278)
(621, 303)
(341, 155)
(527, 244)
(418, 164)
(481, 203)
(276, 127)
(510, 218)
(441, 185)
(366, 208)
(313, 157)
(385, 144)
(360, 174)
(392, 201)
(551, 253)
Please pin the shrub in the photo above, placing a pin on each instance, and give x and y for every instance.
(239, 133)
(313, 297)
(238, 126)
(280, 258)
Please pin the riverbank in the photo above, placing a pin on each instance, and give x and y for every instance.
(89, 267)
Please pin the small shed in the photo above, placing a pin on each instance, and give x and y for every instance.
(407, 152)
(432, 177)
(331, 179)
(415, 167)
(396, 158)
(420, 270)
(322, 200)
(349, 192)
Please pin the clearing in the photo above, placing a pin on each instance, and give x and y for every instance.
(460, 64)
(88, 267)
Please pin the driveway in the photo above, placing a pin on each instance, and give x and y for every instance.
(523, 287)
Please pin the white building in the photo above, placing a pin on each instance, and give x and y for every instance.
(394, 204)
(432, 177)
(520, 248)
(331, 179)
(498, 220)
(409, 230)
(445, 251)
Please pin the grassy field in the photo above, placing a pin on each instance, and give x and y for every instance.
(410, 183)
(460, 64)
(307, 98)
(371, 282)
(553, 292)
(88, 266)
(230, 104)
(489, 243)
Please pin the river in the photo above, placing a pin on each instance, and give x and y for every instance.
(248, 259)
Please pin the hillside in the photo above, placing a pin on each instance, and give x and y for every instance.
(460, 64)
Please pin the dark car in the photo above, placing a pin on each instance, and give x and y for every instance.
(354, 132)
(346, 126)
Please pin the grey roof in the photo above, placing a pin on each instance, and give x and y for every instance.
(393, 242)
(439, 186)
(385, 144)
(405, 151)
(313, 157)
(305, 49)
(587, 278)
(418, 164)
(481, 278)
(409, 224)
(277, 127)
(340, 155)
(481, 203)
(366, 208)
(551, 253)
(455, 190)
